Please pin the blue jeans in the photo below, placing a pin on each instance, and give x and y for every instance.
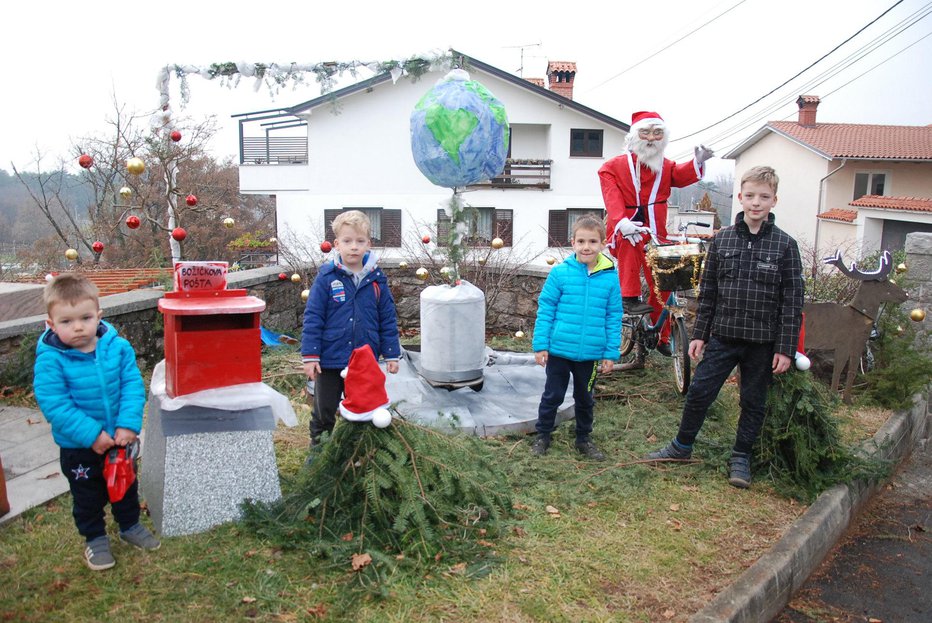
(755, 362)
(559, 371)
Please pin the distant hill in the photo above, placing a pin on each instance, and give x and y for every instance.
(20, 220)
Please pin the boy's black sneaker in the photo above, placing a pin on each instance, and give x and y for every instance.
(739, 468)
(540, 445)
(588, 449)
(671, 452)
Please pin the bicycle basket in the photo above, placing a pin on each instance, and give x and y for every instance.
(675, 267)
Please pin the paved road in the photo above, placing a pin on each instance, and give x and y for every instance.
(881, 570)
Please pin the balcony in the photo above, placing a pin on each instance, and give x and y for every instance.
(273, 150)
(521, 173)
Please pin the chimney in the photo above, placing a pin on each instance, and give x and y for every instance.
(560, 76)
(807, 110)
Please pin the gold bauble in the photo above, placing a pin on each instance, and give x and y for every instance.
(228, 222)
(551, 260)
(422, 273)
(519, 334)
(901, 268)
(126, 192)
(402, 264)
(305, 294)
(497, 243)
(135, 166)
(71, 254)
(917, 315)
(296, 278)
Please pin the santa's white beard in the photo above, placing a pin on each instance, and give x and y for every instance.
(649, 153)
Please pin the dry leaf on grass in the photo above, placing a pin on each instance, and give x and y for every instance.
(319, 611)
(519, 507)
(485, 543)
(553, 510)
(675, 524)
(347, 537)
(519, 531)
(249, 600)
(674, 507)
(360, 561)
(459, 567)
(669, 613)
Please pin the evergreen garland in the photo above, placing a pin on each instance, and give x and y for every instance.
(404, 490)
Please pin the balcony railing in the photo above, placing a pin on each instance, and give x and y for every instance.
(273, 150)
(521, 174)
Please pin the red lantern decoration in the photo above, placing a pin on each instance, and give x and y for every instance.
(425, 239)
(85, 161)
(325, 246)
(98, 246)
(282, 276)
(179, 234)
(132, 221)
(191, 200)
(176, 135)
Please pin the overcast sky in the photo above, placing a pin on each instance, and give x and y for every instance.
(66, 61)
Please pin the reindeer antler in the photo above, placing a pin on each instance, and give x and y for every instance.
(855, 273)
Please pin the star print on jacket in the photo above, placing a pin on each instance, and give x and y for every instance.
(80, 472)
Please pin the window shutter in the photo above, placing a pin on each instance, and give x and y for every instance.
(329, 215)
(443, 227)
(503, 225)
(391, 228)
(556, 228)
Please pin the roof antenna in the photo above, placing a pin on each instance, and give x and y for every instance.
(522, 47)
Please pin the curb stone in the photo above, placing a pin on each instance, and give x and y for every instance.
(761, 592)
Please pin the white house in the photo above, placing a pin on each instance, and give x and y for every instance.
(356, 154)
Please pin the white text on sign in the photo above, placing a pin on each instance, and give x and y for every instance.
(200, 276)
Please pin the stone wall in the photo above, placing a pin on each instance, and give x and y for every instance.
(919, 283)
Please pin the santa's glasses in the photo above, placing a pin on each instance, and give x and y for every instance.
(650, 133)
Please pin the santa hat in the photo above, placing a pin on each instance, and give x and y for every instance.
(801, 360)
(364, 387)
(645, 119)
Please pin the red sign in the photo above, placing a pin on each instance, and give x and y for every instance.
(200, 276)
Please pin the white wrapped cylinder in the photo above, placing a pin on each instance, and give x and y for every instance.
(452, 333)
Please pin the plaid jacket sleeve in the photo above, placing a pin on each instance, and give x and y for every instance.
(791, 301)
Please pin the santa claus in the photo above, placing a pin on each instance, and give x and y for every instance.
(635, 188)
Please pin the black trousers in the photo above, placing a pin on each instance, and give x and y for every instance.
(328, 391)
(755, 362)
(559, 371)
(84, 470)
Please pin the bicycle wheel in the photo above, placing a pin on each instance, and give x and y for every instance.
(679, 344)
(627, 336)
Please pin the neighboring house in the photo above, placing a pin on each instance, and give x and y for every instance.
(854, 187)
(356, 154)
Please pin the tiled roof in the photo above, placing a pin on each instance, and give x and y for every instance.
(853, 140)
(840, 214)
(560, 66)
(538, 81)
(910, 204)
(118, 280)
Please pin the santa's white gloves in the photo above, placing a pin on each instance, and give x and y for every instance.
(633, 231)
(703, 153)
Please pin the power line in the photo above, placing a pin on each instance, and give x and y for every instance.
(772, 91)
(666, 47)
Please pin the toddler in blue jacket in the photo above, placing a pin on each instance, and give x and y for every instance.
(577, 333)
(349, 305)
(90, 390)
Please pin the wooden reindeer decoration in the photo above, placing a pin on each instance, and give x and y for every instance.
(845, 329)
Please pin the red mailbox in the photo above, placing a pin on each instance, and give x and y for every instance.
(212, 335)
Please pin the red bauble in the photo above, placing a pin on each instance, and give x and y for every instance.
(132, 222)
(98, 246)
(86, 161)
(176, 135)
(282, 276)
(191, 200)
(325, 246)
(425, 239)
(179, 234)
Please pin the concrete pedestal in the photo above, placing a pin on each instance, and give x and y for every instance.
(199, 464)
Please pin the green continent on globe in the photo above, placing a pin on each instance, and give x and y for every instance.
(450, 127)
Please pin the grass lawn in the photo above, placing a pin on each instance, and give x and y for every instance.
(612, 541)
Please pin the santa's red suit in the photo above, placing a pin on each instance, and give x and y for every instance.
(632, 190)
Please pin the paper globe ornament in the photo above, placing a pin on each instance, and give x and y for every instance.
(305, 294)
(381, 417)
(132, 221)
(459, 132)
(551, 260)
(402, 264)
(191, 200)
(519, 334)
(71, 254)
(422, 273)
(295, 278)
(126, 192)
(98, 246)
(425, 239)
(85, 161)
(917, 315)
(135, 166)
(802, 362)
(326, 247)
(179, 234)
(282, 276)
(497, 243)
(175, 135)
(228, 222)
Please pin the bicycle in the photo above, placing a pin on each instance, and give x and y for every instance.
(640, 336)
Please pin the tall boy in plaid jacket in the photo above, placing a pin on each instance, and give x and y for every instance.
(750, 306)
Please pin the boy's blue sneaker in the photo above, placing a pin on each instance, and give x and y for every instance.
(739, 470)
(97, 554)
(140, 537)
(672, 452)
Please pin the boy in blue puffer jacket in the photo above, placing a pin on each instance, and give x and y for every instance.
(578, 325)
(349, 305)
(90, 390)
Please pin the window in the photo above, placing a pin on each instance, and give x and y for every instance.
(386, 225)
(485, 224)
(869, 183)
(586, 143)
(560, 224)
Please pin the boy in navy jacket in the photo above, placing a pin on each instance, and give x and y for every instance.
(349, 305)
